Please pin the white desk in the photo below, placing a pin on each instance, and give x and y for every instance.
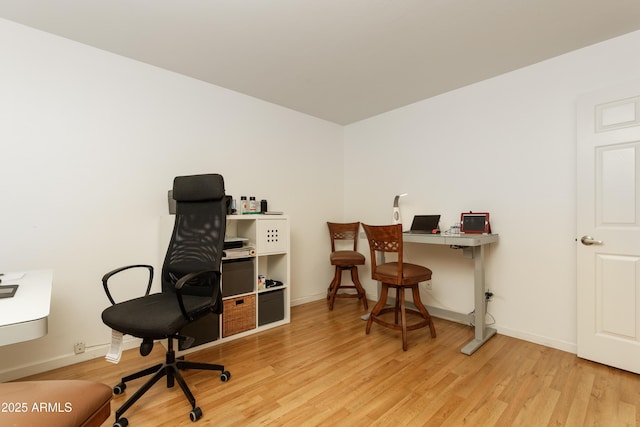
(473, 246)
(25, 316)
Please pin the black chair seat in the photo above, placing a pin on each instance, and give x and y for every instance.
(167, 319)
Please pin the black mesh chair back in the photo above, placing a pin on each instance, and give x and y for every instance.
(198, 235)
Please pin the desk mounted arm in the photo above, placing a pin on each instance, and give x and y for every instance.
(107, 276)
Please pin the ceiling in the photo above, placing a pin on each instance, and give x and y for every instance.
(339, 60)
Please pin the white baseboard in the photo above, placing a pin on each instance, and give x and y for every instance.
(92, 352)
(311, 298)
(569, 347)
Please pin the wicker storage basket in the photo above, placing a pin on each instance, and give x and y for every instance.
(239, 315)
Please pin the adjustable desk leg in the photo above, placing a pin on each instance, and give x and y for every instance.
(483, 333)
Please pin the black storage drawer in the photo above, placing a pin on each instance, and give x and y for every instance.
(270, 307)
(237, 277)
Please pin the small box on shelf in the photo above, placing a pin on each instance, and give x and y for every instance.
(270, 306)
(237, 276)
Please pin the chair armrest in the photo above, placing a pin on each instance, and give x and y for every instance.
(183, 280)
(107, 276)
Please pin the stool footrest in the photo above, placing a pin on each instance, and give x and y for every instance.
(397, 326)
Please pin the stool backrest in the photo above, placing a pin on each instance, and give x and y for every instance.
(346, 231)
(384, 238)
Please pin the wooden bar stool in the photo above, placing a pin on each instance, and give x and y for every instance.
(345, 260)
(398, 275)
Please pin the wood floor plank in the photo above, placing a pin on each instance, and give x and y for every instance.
(323, 370)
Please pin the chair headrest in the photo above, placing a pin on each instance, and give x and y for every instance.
(198, 188)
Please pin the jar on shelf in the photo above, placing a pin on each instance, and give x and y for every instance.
(244, 205)
(253, 205)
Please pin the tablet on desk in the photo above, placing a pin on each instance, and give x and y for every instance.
(7, 291)
(475, 223)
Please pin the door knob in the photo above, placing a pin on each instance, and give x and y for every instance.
(588, 241)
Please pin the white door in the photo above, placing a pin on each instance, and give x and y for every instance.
(608, 227)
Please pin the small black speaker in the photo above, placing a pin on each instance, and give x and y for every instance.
(172, 203)
(227, 201)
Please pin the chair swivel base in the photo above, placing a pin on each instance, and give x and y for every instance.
(171, 369)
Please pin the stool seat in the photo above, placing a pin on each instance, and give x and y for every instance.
(57, 403)
(411, 273)
(346, 258)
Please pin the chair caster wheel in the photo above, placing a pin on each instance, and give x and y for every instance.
(119, 389)
(225, 376)
(122, 422)
(196, 414)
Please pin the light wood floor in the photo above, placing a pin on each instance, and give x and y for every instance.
(323, 370)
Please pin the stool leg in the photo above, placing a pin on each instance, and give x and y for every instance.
(356, 281)
(336, 285)
(379, 306)
(403, 319)
(418, 303)
(333, 283)
(397, 306)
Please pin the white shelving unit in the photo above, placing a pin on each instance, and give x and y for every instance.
(269, 235)
(252, 310)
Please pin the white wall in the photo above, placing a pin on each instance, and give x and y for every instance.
(91, 141)
(506, 146)
(90, 144)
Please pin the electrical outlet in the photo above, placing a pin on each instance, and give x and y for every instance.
(428, 285)
(78, 347)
